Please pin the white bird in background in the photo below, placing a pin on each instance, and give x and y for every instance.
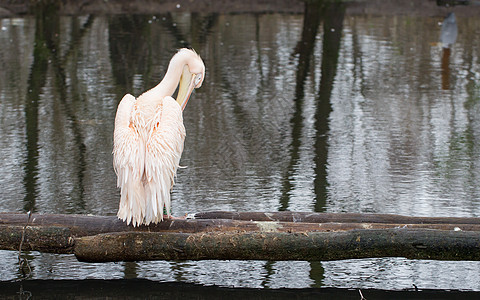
(148, 141)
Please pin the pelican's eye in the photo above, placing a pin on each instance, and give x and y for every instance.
(198, 79)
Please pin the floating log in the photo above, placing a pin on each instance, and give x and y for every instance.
(82, 225)
(245, 235)
(51, 239)
(409, 243)
(313, 217)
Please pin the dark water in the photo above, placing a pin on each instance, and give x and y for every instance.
(345, 108)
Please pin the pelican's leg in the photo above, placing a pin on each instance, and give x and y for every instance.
(166, 217)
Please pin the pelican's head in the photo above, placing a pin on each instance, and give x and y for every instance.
(192, 75)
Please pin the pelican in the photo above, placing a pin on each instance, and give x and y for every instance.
(148, 141)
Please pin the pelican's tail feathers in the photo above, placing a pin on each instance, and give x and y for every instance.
(132, 203)
(157, 199)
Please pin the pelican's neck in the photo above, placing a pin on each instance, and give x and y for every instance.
(169, 83)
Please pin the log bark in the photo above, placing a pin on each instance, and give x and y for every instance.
(409, 243)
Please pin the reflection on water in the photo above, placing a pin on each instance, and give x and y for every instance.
(448, 37)
(330, 110)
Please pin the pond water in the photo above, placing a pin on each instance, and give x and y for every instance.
(348, 107)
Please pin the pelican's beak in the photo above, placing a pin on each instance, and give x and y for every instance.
(188, 81)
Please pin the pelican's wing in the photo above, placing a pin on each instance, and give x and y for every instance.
(162, 156)
(128, 162)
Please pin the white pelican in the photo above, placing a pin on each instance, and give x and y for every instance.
(148, 141)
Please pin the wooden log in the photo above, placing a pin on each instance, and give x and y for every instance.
(57, 239)
(81, 225)
(51, 239)
(69, 233)
(313, 217)
(409, 243)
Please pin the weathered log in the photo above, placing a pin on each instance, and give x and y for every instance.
(409, 243)
(64, 234)
(57, 239)
(51, 239)
(281, 216)
(82, 225)
(313, 217)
